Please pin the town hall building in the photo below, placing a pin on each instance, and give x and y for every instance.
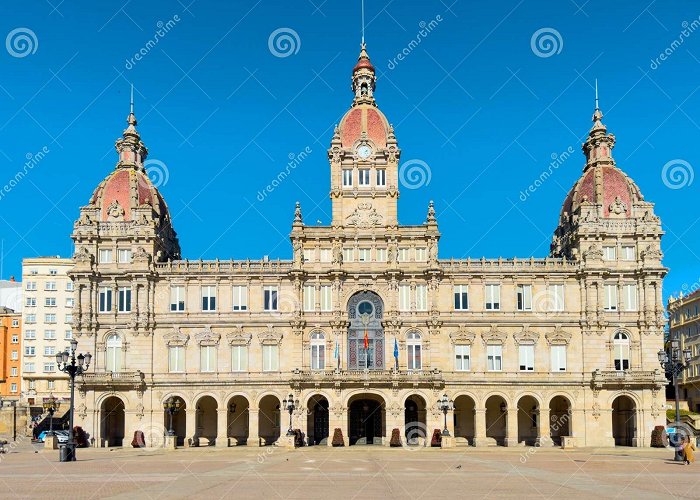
(530, 350)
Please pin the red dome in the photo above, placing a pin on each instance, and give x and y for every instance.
(116, 191)
(363, 63)
(363, 118)
(604, 185)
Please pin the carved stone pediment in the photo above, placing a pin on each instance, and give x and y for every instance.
(526, 336)
(364, 216)
(115, 212)
(83, 256)
(558, 337)
(618, 207)
(462, 336)
(270, 336)
(176, 338)
(207, 337)
(238, 337)
(593, 253)
(140, 255)
(494, 336)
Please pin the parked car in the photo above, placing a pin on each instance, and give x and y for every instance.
(61, 436)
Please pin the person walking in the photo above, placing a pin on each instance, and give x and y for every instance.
(688, 451)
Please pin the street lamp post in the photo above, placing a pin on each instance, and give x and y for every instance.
(73, 365)
(50, 406)
(172, 407)
(674, 366)
(445, 404)
(290, 405)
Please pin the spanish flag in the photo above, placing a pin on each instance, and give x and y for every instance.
(366, 341)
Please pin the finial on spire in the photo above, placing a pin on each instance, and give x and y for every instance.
(132, 98)
(131, 119)
(596, 94)
(599, 144)
(363, 21)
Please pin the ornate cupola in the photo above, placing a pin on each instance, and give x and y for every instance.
(363, 79)
(599, 144)
(126, 210)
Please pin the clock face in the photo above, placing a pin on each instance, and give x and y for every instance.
(364, 151)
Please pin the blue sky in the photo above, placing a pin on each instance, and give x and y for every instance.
(475, 101)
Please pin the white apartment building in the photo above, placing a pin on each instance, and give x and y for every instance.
(47, 317)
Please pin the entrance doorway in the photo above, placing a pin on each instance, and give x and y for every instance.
(366, 424)
(317, 421)
(112, 417)
(624, 416)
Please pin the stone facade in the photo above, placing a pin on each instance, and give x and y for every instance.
(528, 349)
(684, 325)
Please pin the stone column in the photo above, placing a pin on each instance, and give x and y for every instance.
(253, 428)
(190, 427)
(543, 428)
(479, 427)
(222, 428)
(511, 427)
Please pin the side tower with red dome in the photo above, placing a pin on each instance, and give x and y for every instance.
(611, 230)
(121, 232)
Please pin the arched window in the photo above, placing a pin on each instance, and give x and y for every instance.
(621, 351)
(318, 351)
(113, 360)
(413, 344)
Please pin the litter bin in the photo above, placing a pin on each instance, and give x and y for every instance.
(66, 453)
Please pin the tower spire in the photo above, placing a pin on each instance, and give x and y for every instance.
(132, 151)
(363, 21)
(131, 119)
(599, 144)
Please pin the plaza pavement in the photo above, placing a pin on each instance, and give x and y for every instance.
(356, 472)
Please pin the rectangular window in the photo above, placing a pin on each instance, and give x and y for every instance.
(526, 355)
(69, 286)
(492, 294)
(558, 353)
(240, 298)
(30, 334)
(556, 296)
(309, 254)
(207, 358)
(610, 253)
(524, 297)
(381, 178)
(177, 298)
(49, 367)
(31, 286)
(347, 177)
(124, 299)
(348, 254)
(414, 356)
(50, 334)
(105, 257)
(239, 358)
(270, 298)
(68, 334)
(363, 177)
(51, 385)
(50, 286)
(53, 272)
(462, 358)
(70, 302)
(209, 298)
(29, 367)
(15, 339)
(630, 297)
(31, 302)
(14, 371)
(628, 252)
(421, 254)
(105, 300)
(31, 318)
(309, 298)
(404, 255)
(610, 297)
(124, 256)
(318, 356)
(50, 350)
(326, 255)
(494, 356)
(50, 302)
(15, 355)
(49, 318)
(461, 295)
(176, 358)
(326, 298)
(404, 297)
(381, 254)
(421, 298)
(364, 255)
(270, 358)
(13, 386)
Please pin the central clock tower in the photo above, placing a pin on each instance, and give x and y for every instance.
(364, 158)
